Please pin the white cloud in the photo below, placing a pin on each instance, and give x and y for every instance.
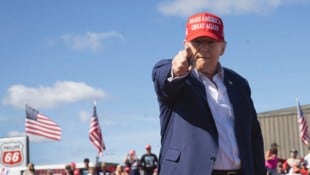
(227, 7)
(44, 96)
(89, 41)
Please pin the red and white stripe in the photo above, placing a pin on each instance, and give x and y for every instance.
(43, 126)
(95, 135)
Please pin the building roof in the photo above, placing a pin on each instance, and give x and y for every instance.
(285, 111)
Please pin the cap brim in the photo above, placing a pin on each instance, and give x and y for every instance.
(203, 34)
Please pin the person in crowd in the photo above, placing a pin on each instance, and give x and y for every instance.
(149, 161)
(208, 120)
(307, 159)
(84, 170)
(68, 170)
(118, 170)
(75, 170)
(92, 170)
(271, 159)
(30, 169)
(126, 171)
(303, 170)
(133, 162)
(103, 169)
(280, 169)
(292, 164)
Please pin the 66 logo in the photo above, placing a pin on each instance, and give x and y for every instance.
(11, 154)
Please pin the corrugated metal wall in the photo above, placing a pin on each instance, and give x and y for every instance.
(281, 126)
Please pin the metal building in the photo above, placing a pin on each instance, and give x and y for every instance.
(281, 126)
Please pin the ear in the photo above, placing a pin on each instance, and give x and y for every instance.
(223, 47)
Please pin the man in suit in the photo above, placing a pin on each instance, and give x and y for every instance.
(208, 121)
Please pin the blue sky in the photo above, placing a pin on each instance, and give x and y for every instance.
(60, 56)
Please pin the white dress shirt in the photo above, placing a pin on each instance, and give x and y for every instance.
(222, 111)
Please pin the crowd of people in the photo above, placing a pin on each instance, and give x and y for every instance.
(132, 165)
(148, 164)
(294, 164)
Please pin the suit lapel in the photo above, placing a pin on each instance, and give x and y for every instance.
(233, 94)
(199, 88)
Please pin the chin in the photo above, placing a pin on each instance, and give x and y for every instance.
(201, 67)
(202, 61)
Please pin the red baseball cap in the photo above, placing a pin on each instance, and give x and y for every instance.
(73, 165)
(204, 24)
(148, 146)
(127, 169)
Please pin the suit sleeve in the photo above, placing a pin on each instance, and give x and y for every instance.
(166, 90)
(257, 142)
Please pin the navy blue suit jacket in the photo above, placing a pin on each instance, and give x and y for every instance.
(189, 138)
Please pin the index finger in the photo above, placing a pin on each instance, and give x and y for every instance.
(188, 52)
(189, 55)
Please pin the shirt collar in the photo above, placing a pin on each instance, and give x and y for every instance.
(219, 72)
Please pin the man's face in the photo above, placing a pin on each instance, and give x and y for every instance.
(206, 53)
(293, 154)
(86, 163)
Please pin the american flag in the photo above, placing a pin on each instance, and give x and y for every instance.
(302, 123)
(39, 124)
(95, 135)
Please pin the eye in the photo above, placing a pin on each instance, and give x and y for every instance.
(204, 42)
(199, 42)
(211, 42)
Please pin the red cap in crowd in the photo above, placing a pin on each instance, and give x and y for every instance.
(127, 169)
(73, 165)
(204, 24)
(148, 146)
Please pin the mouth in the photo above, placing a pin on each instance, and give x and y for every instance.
(202, 57)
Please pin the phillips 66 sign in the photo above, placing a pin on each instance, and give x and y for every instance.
(14, 151)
